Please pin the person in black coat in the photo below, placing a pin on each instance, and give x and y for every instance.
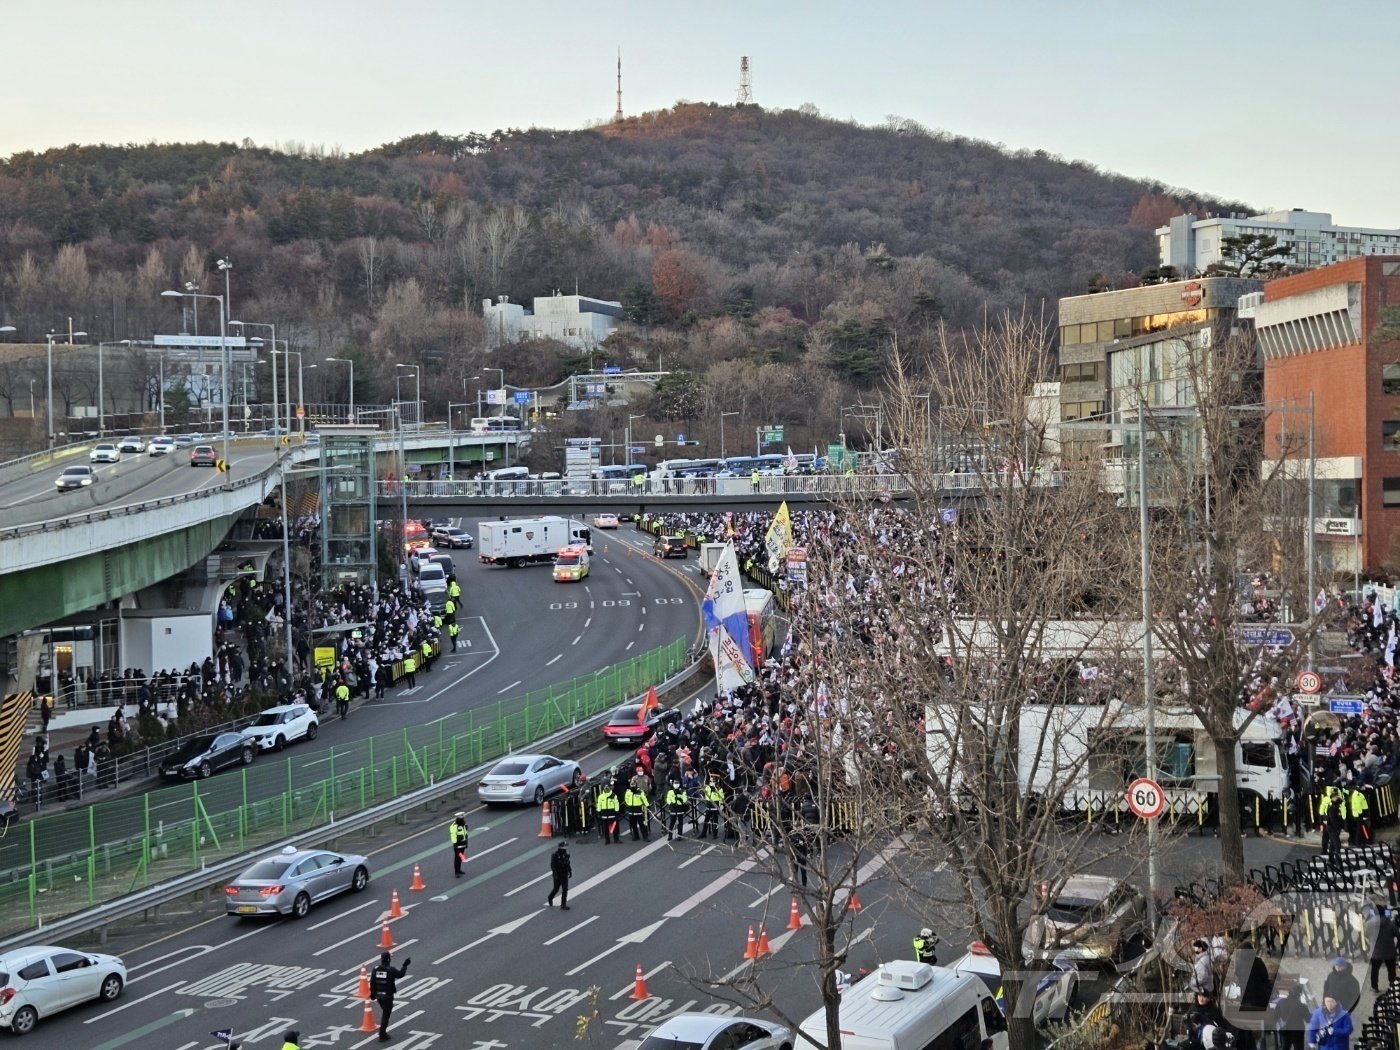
(1383, 948)
(562, 870)
(383, 982)
(1289, 1018)
(1342, 985)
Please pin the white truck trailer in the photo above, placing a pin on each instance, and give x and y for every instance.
(525, 541)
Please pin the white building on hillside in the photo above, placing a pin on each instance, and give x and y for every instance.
(577, 320)
(1191, 244)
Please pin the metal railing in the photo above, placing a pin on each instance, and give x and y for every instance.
(56, 865)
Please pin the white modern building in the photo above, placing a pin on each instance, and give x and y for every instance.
(576, 320)
(1192, 245)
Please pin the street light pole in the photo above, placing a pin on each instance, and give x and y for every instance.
(101, 417)
(1149, 685)
(417, 389)
(223, 357)
(51, 336)
(272, 328)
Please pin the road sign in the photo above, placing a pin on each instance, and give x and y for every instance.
(1310, 682)
(948, 515)
(680, 439)
(1146, 799)
(636, 450)
(1266, 637)
(659, 441)
(1345, 705)
(612, 370)
(524, 397)
(772, 435)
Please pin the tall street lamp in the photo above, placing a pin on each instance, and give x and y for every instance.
(223, 359)
(629, 437)
(722, 449)
(51, 337)
(417, 388)
(301, 400)
(272, 328)
(348, 361)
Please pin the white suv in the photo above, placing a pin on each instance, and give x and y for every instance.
(161, 446)
(105, 452)
(277, 727)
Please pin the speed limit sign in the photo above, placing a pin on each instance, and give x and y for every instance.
(1146, 798)
(1310, 682)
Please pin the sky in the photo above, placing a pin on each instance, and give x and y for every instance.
(1278, 105)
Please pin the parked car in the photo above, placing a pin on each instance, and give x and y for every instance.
(206, 755)
(160, 446)
(421, 556)
(605, 521)
(432, 584)
(697, 1031)
(131, 444)
(203, 456)
(104, 452)
(528, 778)
(627, 727)
(279, 726)
(1054, 991)
(451, 537)
(78, 476)
(670, 547)
(1093, 919)
(40, 981)
(293, 880)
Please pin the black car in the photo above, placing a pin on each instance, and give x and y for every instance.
(670, 547)
(205, 755)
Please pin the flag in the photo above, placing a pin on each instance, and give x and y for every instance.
(225, 1034)
(647, 705)
(729, 524)
(1390, 647)
(790, 462)
(727, 624)
(1377, 613)
(1320, 602)
(778, 539)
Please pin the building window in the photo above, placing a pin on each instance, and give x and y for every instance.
(1080, 409)
(1390, 492)
(1390, 379)
(1390, 435)
(1084, 372)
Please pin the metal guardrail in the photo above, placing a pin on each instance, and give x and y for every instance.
(98, 918)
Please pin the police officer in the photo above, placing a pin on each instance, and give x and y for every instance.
(457, 836)
(1358, 826)
(754, 479)
(925, 945)
(454, 590)
(342, 697)
(712, 799)
(1332, 810)
(410, 668)
(677, 802)
(427, 650)
(449, 609)
(382, 983)
(562, 870)
(607, 807)
(452, 631)
(635, 802)
(290, 1041)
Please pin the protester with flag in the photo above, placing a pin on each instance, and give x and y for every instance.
(778, 540)
(727, 624)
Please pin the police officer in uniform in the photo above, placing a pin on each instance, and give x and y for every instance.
(290, 1041)
(562, 870)
(1332, 810)
(342, 698)
(712, 798)
(925, 947)
(410, 669)
(677, 802)
(608, 808)
(382, 983)
(457, 836)
(637, 818)
(427, 650)
(1358, 827)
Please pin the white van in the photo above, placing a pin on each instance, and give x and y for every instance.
(914, 1006)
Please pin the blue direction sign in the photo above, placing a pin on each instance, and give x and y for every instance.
(612, 370)
(1345, 705)
(524, 397)
(1271, 637)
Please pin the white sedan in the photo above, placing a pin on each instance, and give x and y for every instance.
(528, 778)
(105, 452)
(278, 726)
(161, 446)
(702, 1031)
(40, 981)
(131, 444)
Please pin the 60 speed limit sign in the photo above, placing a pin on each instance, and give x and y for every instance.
(1146, 799)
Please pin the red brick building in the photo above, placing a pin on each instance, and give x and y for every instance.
(1318, 333)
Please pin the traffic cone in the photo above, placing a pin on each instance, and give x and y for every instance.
(546, 830)
(751, 949)
(854, 903)
(763, 948)
(386, 939)
(794, 917)
(417, 883)
(639, 987)
(362, 992)
(367, 1021)
(395, 911)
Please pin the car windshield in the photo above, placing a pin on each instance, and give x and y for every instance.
(76, 470)
(197, 746)
(265, 869)
(568, 559)
(509, 769)
(661, 1042)
(269, 718)
(1075, 910)
(625, 716)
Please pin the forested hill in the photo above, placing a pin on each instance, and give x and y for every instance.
(691, 214)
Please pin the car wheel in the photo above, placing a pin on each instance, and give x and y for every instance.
(360, 879)
(539, 795)
(247, 756)
(574, 780)
(205, 771)
(111, 988)
(301, 906)
(24, 1020)
(279, 743)
(312, 730)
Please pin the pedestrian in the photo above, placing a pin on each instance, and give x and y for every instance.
(925, 947)
(638, 819)
(1332, 810)
(1330, 1026)
(1202, 968)
(1383, 947)
(606, 805)
(563, 871)
(342, 698)
(410, 669)
(1289, 1018)
(291, 1040)
(382, 983)
(1342, 985)
(46, 711)
(457, 835)
(677, 802)
(712, 798)
(801, 851)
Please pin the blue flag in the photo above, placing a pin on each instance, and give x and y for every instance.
(226, 1034)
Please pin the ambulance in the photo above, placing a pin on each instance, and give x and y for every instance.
(571, 563)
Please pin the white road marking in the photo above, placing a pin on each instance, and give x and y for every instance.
(576, 640)
(575, 929)
(629, 645)
(507, 688)
(207, 948)
(692, 860)
(587, 622)
(640, 626)
(526, 886)
(397, 1022)
(346, 940)
(555, 660)
(348, 911)
(119, 1009)
(704, 893)
(496, 931)
(198, 949)
(763, 898)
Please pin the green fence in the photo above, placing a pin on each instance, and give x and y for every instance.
(55, 865)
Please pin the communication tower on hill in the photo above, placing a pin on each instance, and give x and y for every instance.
(617, 117)
(745, 95)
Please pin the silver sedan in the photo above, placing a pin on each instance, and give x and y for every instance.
(293, 880)
(528, 778)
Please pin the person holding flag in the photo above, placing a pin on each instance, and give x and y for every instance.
(779, 539)
(727, 624)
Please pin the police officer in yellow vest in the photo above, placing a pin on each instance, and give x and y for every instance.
(1333, 811)
(754, 478)
(712, 798)
(638, 820)
(410, 669)
(925, 945)
(457, 836)
(608, 809)
(454, 589)
(342, 698)
(1358, 812)
(437, 622)
(427, 650)
(449, 610)
(452, 631)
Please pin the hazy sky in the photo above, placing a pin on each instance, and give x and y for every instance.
(1279, 104)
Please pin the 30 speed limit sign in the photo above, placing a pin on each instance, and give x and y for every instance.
(1310, 682)
(1146, 798)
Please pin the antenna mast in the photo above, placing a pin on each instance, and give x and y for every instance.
(745, 95)
(617, 117)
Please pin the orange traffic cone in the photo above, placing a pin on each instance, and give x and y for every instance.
(386, 940)
(855, 901)
(751, 949)
(367, 1021)
(395, 911)
(362, 992)
(546, 829)
(794, 917)
(763, 948)
(417, 883)
(639, 987)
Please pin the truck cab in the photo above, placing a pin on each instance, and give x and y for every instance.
(571, 564)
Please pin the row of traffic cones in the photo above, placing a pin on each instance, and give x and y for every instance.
(758, 946)
(386, 942)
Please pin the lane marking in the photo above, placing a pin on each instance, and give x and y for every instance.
(692, 860)
(629, 645)
(555, 660)
(348, 911)
(576, 640)
(587, 622)
(580, 926)
(508, 688)
(119, 1009)
(526, 886)
(704, 893)
(398, 1021)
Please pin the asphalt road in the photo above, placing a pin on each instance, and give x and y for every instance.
(521, 631)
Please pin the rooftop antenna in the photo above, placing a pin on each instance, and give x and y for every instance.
(617, 117)
(745, 96)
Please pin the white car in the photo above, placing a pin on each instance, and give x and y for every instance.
(1054, 990)
(277, 727)
(40, 981)
(528, 779)
(131, 444)
(106, 452)
(161, 446)
(716, 1032)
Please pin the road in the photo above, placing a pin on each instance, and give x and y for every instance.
(521, 631)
